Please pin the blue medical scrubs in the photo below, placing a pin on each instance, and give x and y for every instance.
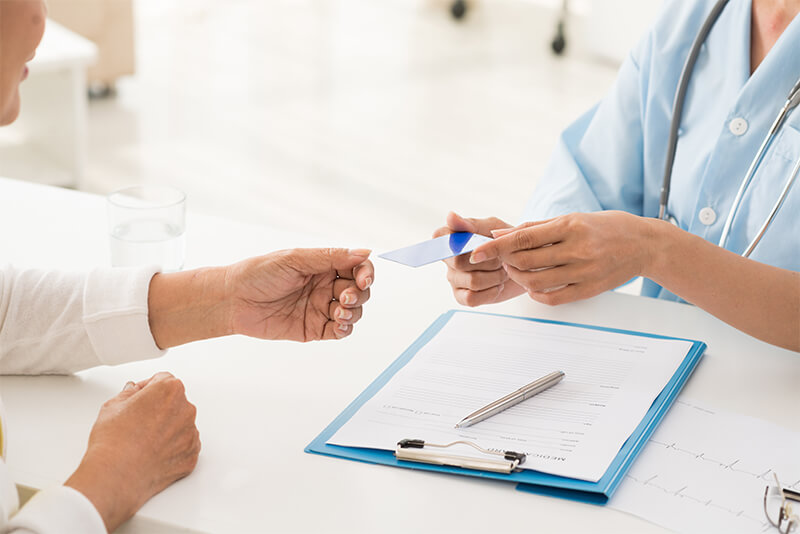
(612, 158)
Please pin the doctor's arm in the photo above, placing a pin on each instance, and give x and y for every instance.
(597, 165)
(580, 255)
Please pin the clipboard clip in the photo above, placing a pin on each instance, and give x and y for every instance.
(413, 450)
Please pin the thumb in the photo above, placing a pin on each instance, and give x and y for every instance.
(322, 260)
(457, 223)
(128, 390)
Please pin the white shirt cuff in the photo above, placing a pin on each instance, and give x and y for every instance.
(58, 510)
(115, 314)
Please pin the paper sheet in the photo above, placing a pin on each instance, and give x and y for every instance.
(705, 471)
(574, 429)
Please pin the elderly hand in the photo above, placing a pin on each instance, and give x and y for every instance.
(477, 283)
(144, 439)
(300, 294)
(572, 257)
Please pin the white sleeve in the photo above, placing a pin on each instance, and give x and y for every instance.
(56, 510)
(57, 322)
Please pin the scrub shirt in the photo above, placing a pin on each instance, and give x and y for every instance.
(612, 158)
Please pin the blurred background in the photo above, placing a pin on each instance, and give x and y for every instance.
(360, 121)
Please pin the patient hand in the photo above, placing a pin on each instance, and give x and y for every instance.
(300, 294)
(482, 283)
(144, 439)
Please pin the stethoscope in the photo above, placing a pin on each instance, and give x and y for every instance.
(680, 96)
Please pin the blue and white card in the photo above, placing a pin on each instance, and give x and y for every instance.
(439, 248)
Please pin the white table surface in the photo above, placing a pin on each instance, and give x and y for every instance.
(260, 403)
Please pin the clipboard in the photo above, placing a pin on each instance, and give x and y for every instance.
(529, 481)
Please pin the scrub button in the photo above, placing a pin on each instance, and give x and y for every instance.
(738, 126)
(707, 216)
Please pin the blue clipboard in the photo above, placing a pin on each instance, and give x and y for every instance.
(531, 481)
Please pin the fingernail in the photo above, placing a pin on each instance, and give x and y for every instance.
(345, 315)
(129, 385)
(348, 298)
(342, 328)
(363, 252)
(477, 257)
(367, 282)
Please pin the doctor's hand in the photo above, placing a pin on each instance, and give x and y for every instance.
(572, 257)
(480, 283)
(144, 439)
(300, 294)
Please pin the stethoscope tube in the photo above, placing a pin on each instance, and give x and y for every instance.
(775, 209)
(680, 96)
(737, 200)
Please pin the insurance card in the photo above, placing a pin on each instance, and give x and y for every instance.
(439, 248)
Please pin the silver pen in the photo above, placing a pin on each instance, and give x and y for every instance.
(525, 392)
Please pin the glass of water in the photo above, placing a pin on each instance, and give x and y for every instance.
(147, 224)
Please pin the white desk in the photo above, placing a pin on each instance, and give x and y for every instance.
(259, 403)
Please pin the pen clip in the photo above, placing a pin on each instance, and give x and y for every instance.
(413, 450)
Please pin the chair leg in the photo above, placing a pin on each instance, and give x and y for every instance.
(458, 9)
(559, 42)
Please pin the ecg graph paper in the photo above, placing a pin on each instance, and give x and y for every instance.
(705, 471)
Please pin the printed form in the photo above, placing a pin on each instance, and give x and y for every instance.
(574, 429)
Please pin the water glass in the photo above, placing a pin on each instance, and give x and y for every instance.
(147, 225)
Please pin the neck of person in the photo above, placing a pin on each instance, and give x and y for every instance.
(769, 20)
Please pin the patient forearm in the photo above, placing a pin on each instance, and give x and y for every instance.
(188, 306)
(759, 299)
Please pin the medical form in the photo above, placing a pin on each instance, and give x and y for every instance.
(574, 429)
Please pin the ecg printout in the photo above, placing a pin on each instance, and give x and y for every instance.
(705, 471)
(574, 429)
